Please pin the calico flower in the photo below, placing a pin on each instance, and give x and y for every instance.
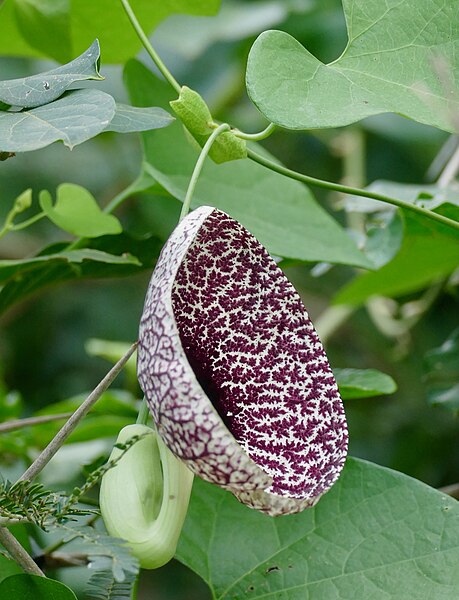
(233, 371)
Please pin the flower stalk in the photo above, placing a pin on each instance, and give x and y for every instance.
(198, 168)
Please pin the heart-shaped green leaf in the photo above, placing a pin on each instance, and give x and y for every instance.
(376, 535)
(29, 92)
(401, 57)
(74, 118)
(77, 212)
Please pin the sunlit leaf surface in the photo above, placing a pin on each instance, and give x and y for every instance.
(401, 57)
(74, 118)
(377, 534)
(43, 88)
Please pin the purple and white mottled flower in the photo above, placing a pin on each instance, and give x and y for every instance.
(233, 371)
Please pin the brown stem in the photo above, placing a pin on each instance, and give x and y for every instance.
(57, 560)
(451, 490)
(450, 170)
(46, 455)
(20, 423)
(19, 554)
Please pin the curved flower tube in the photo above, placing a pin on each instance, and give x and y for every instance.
(144, 497)
(233, 371)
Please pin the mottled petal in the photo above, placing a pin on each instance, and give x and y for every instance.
(233, 370)
(186, 419)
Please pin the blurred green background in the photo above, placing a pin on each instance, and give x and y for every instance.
(42, 342)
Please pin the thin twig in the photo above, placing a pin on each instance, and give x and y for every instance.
(451, 490)
(442, 158)
(19, 554)
(450, 171)
(58, 440)
(20, 423)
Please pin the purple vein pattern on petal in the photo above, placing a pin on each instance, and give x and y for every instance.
(257, 356)
(186, 420)
(253, 352)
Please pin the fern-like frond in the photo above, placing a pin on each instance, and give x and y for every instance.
(102, 586)
(25, 500)
(103, 551)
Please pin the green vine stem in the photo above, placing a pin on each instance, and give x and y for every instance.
(328, 185)
(148, 47)
(255, 137)
(198, 167)
(58, 440)
(29, 222)
(22, 203)
(9, 226)
(128, 191)
(19, 554)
